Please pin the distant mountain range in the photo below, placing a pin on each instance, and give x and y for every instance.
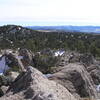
(88, 29)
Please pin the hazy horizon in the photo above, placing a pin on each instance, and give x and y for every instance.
(47, 24)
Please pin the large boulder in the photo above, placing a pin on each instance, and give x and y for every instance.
(33, 85)
(68, 57)
(92, 66)
(76, 79)
(87, 60)
(94, 71)
(27, 57)
(16, 60)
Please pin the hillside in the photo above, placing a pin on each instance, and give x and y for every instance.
(13, 37)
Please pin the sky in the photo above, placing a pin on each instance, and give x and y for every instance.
(50, 12)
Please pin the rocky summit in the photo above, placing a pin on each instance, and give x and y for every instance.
(33, 85)
(76, 79)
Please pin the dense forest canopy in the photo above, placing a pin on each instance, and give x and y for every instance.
(13, 37)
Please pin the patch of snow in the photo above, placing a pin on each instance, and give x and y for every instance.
(19, 28)
(8, 51)
(18, 48)
(1, 74)
(59, 53)
(48, 75)
(98, 88)
(3, 65)
(0, 55)
(11, 42)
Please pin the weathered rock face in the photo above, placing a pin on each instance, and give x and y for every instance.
(72, 57)
(33, 85)
(27, 57)
(19, 59)
(89, 62)
(92, 66)
(68, 57)
(76, 79)
(94, 71)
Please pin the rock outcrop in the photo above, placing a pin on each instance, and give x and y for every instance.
(19, 58)
(33, 85)
(92, 66)
(87, 60)
(78, 75)
(27, 57)
(76, 79)
(24, 58)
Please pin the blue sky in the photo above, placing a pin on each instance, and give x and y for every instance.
(50, 12)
